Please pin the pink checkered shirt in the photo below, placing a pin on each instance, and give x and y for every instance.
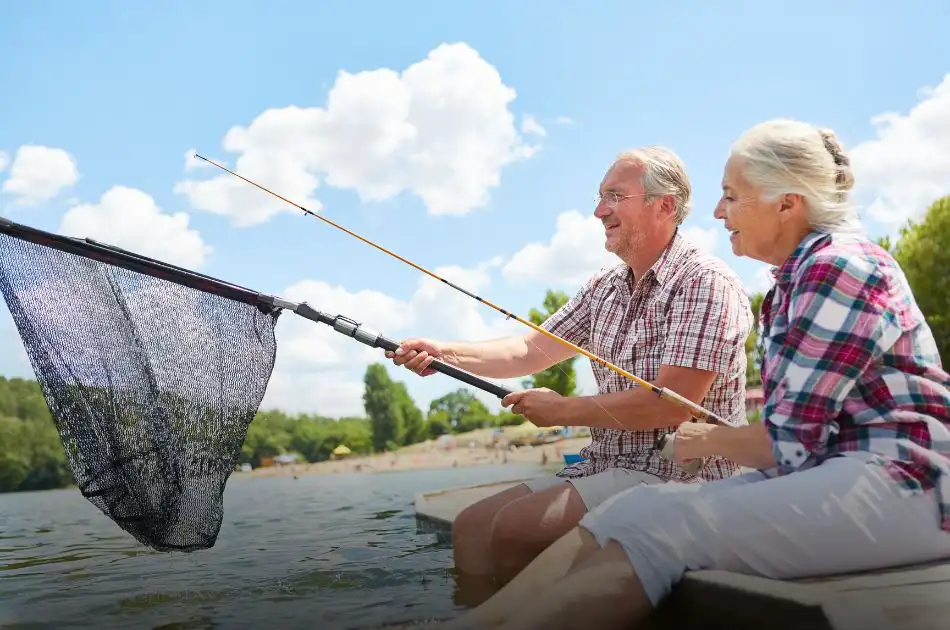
(689, 310)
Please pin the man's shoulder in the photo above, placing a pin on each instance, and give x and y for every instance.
(607, 275)
(696, 265)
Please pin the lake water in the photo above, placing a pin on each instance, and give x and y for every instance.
(322, 552)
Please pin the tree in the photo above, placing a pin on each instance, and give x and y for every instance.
(754, 343)
(923, 251)
(438, 423)
(560, 377)
(461, 410)
(394, 417)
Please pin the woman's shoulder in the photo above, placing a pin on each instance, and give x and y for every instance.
(844, 258)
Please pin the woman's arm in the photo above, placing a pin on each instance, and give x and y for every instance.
(747, 446)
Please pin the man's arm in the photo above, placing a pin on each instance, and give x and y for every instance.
(709, 322)
(508, 357)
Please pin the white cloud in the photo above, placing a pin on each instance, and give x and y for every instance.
(704, 238)
(575, 252)
(193, 163)
(440, 129)
(4, 160)
(762, 280)
(530, 124)
(39, 173)
(130, 219)
(906, 166)
(320, 370)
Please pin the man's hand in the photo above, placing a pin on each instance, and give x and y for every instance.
(543, 407)
(417, 355)
(693, 441)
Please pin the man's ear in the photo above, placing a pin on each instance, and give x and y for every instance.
(668, 205)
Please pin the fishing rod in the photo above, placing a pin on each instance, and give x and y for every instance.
(132, 261)
(666, 394)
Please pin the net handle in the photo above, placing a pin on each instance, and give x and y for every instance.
(111, 254)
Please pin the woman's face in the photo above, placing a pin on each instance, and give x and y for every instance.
(754, 225)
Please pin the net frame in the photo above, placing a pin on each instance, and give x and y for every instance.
(145, 524)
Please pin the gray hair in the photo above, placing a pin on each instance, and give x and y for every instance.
(664, 174)
(787, 156)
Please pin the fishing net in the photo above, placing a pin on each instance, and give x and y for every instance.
(152, 383)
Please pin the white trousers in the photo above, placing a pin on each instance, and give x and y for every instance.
(841, 516)
(597, 488)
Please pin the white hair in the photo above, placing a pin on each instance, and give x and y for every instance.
(663, 174)
(788, 156)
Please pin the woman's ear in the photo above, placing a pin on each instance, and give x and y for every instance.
(790, 203)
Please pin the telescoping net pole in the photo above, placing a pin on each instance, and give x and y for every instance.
(151, 383)
(152, 374)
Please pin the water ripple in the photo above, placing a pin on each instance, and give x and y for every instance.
(330, 552)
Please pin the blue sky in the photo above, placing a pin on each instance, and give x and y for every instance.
(126, 89)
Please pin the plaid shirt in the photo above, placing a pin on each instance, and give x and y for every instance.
(850, 366)
(689, 309)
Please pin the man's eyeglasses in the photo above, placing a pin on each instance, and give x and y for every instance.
(612, 199)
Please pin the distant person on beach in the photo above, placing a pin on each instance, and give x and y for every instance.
(853, 451)
(666, 312)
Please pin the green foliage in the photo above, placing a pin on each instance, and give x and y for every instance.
(923, 251)
(560, 377)
(753, 344)
(394, 417)
(312, 437)
(461, 411)
(31, 454)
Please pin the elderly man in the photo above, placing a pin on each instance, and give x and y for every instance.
(666, 312)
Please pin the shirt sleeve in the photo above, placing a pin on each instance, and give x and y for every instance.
(572, 321)
(709, 322)
(838, 324)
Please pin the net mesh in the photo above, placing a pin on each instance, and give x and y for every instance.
(152, 385)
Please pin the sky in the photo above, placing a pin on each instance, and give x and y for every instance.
(469, 138)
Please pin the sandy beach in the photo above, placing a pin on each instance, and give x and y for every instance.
(427, 456)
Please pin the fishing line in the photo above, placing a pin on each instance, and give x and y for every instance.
(698, 411)
(664, 444)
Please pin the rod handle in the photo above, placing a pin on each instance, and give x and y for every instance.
(454, 372)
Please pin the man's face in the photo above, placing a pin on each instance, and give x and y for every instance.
(626, 218)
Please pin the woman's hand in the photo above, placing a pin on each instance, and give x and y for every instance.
(747, 445)
(693, 441)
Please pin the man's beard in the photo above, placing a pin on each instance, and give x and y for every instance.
(628, 242)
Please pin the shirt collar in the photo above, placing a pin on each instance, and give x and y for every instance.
(784, 272)
(662, 267)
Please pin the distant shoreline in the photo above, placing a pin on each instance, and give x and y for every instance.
(461, 456)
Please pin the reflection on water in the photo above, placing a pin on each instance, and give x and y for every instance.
(337, 551)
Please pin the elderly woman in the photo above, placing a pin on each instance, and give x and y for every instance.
(853, 451)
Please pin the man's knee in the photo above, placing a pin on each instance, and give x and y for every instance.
(475, 521)
(539, 519)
